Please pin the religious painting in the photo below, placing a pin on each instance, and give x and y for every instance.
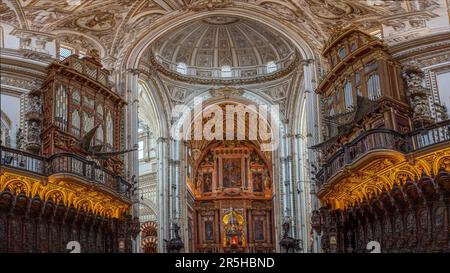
(257, 182)
(207, 182)
(231, 171)
(209, 230)
(259, 230)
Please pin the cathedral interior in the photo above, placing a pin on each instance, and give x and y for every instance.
(102, 101)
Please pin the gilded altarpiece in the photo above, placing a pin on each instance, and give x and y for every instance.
(233, 207)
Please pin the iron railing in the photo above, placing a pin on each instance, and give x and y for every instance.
(65, 163)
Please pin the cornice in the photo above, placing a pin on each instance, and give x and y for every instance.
(233, 81)
(422, 45)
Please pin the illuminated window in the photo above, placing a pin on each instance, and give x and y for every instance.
(348, 92)
(182, 68)
(377, 34)
(271, 67)
(332, 127)
(64, 52)
(226, 71)
(141, 150)
(443, 83)
(342, 53)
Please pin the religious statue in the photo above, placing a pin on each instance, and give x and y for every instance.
(234, 233)
(209, 230)
(257, 183)
(19, 139)
(35, 104)
(266, 179)
(199, 181)
(207, 187)
(232, 173)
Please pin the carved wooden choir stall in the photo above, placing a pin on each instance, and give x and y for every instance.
(69, 185)
(384, 173)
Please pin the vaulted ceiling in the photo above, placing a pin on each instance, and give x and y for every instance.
(221, 40)
(116, 25)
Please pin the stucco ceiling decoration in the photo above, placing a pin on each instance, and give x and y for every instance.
(219, 41)
(119, 24)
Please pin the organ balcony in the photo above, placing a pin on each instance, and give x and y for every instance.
(377, 156)
(70, 174)
(376, 122)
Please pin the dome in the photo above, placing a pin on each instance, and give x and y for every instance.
(224, 47)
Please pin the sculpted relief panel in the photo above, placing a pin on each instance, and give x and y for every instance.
(117, 24)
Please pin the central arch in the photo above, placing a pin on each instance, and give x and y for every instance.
(171, 152)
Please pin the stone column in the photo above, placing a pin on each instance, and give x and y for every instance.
(163, 194)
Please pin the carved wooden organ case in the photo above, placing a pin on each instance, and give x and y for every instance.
(371, 104)
(232, 204)
(362, 90)
(76, 98)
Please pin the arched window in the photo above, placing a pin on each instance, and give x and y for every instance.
(5, 130)
(342, 53)
(76, 123)
(61, 107)
(182, 68)
(271, 67)
(64, 52)
(76, 99)
(373, 87)
(99, 110)
(109, 130)
(348, 94)
(88, 122)
(100, 134)
(332, 126)
(226, 71)
(141, 149)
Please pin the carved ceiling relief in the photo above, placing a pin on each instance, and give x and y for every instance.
(78, 42)
(8, 15)
(116, 24)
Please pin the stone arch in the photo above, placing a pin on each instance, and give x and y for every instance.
(94, 42)
(129, 61)
(148, 204)
(157, 108)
